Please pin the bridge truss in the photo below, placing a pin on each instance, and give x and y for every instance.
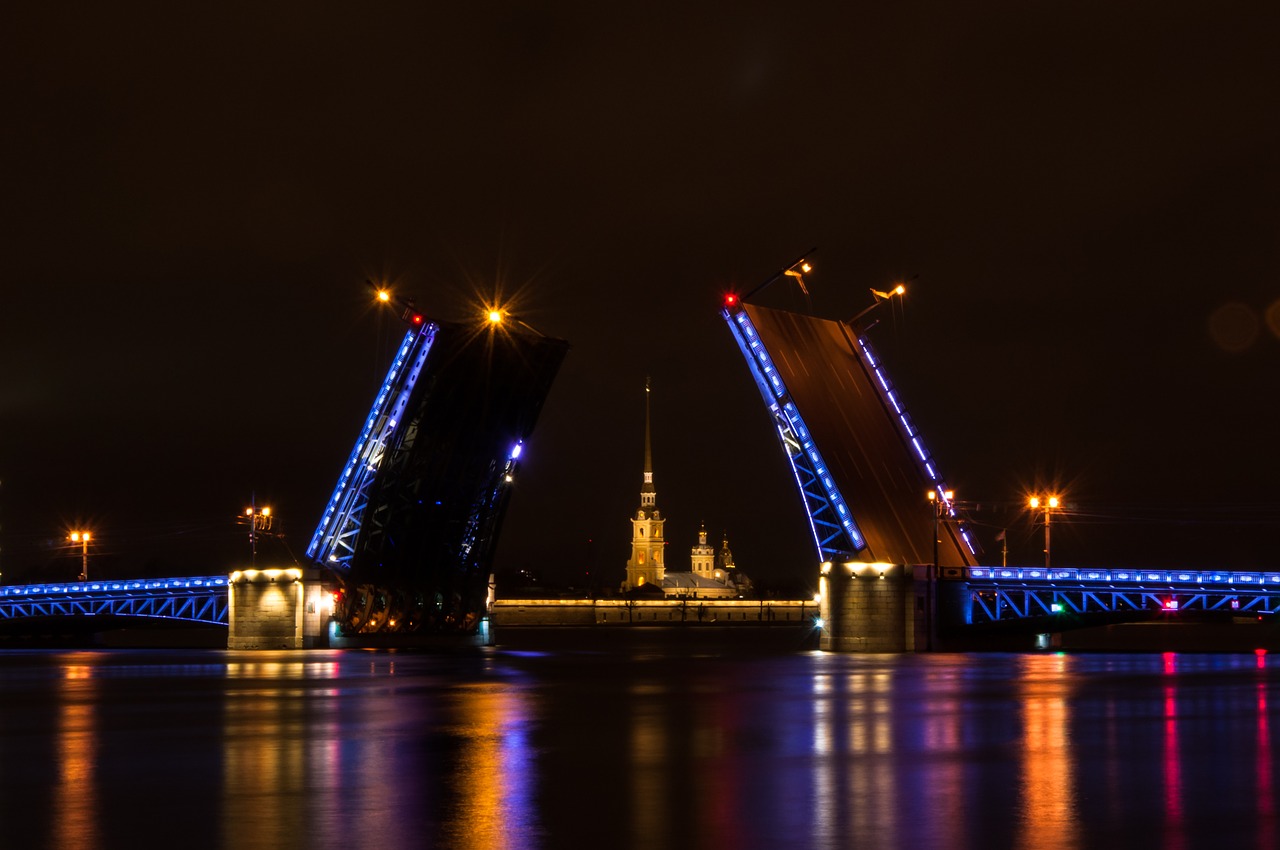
(835, 532)
(333, 543)
(1010, 593)
(198, 599)
(412, 524)
(850, 444)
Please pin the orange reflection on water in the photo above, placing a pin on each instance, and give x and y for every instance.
(1048, 816)
(648, 759)
(264, 765)
(497, 770)
(75, 801)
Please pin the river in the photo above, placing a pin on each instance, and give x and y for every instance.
(636, 747)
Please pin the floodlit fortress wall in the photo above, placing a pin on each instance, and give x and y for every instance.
(651, 612)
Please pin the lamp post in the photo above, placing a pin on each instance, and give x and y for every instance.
(941, 500)
(1049, 504)
(259, 519)
(878, 297)
(83, 538)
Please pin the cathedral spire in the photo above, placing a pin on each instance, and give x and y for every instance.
(646, 564)
(648, 495)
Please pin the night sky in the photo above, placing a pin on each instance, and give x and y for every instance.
(1083, 196)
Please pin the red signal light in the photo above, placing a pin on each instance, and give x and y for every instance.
(730, 299)
(417, 318)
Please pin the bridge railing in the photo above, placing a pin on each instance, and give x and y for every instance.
(1128, 576)
(1005, 593)
(201, 599)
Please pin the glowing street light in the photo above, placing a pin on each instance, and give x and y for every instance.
(798, 271)
(83, 538)
(258, 519)
(1049, 504)
(941, 501)
(880, 297)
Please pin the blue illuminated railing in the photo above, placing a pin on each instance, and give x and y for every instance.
(908, 430)
(335, 537)
(1170, 577)
(1004, 593)
(200, 599)
(834, 531)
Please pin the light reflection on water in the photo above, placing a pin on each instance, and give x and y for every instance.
(1048, 817)
(630, 749)
(75, 799)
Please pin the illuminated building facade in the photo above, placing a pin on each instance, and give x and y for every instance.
(712, 573)
(645, 565)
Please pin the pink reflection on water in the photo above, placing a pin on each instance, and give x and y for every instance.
(1265, 792)
(1173, 834)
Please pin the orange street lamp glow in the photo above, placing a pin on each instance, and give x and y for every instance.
(1049, 504)
(384, 296)
(83, 538)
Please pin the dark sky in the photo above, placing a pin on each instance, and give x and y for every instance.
(1086, 195)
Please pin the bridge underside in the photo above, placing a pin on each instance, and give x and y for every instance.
(875, 460)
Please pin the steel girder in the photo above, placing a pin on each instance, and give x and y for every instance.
(335, 538)
(835, 532)
(200, 599)
(1007, 593)
(908, 430)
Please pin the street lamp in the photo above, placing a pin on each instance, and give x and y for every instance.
(941, 501)
(1049, 504)
(796, 270)
(879, 298)
(83, 538)
(259, 519)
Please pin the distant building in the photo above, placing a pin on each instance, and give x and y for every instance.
(645, 565)
(712, 573)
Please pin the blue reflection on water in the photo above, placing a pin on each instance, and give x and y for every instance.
(644, 748)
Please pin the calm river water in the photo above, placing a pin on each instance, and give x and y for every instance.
(635, 747)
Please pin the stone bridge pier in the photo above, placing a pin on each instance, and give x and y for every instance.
(277, 609)
(889, 607)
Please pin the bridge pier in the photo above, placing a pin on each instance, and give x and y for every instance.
(887, 607)
(867, 608)
(277, 609)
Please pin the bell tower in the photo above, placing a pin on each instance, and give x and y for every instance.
(703, 556)
(645, 565)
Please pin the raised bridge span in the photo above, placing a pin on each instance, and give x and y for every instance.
(861, 467)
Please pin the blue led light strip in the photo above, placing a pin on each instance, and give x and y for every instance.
(1007, 593)
(835, 533)
(908, 431)
(334, 540)
(201, 599)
